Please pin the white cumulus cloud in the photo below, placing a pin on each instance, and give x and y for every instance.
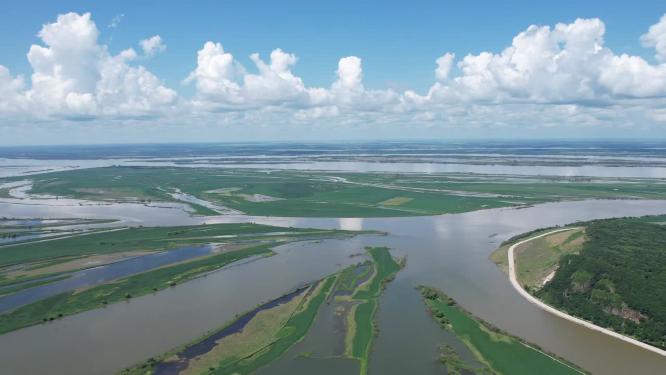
(567, 63)
(444, 64)
(76, 77)
(656, 38)
(152, 45)
(547, 75)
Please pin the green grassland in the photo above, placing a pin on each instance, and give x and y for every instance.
(536, 259)
(362, 331)
(297, 326)
(333, 194)
(501, 353)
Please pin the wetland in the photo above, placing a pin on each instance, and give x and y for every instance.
(288, 238)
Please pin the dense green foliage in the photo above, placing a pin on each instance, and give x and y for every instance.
(618, 280)
(502, 353)
(332, 194)
(74, 302)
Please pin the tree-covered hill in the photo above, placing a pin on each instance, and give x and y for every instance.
(618, 280)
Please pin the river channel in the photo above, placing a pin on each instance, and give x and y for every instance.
(449, 252)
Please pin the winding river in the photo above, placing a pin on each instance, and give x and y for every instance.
(449, 252)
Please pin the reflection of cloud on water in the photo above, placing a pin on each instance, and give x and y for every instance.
(351, 223)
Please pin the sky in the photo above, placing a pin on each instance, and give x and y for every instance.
(214, 71)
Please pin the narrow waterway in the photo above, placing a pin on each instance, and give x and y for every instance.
(102, 274)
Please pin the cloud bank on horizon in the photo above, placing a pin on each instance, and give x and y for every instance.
(549, 75)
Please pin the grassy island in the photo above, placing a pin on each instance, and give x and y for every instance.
(264, 334)
(498, 352)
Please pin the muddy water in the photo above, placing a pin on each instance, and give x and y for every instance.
(449, 252)
(106, 340)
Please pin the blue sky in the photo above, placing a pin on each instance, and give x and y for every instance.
(398, 43)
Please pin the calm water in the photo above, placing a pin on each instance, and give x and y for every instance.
(26, 167)
(448, 252)
(102, 274)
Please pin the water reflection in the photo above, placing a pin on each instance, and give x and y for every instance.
(26, 167)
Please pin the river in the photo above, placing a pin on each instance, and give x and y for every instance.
(449, 252)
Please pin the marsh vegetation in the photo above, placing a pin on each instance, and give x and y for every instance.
(498, 352)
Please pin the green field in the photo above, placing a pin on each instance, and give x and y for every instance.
(501, 353)
(333, 194)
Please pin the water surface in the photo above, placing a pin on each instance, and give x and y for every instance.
(449, 252)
